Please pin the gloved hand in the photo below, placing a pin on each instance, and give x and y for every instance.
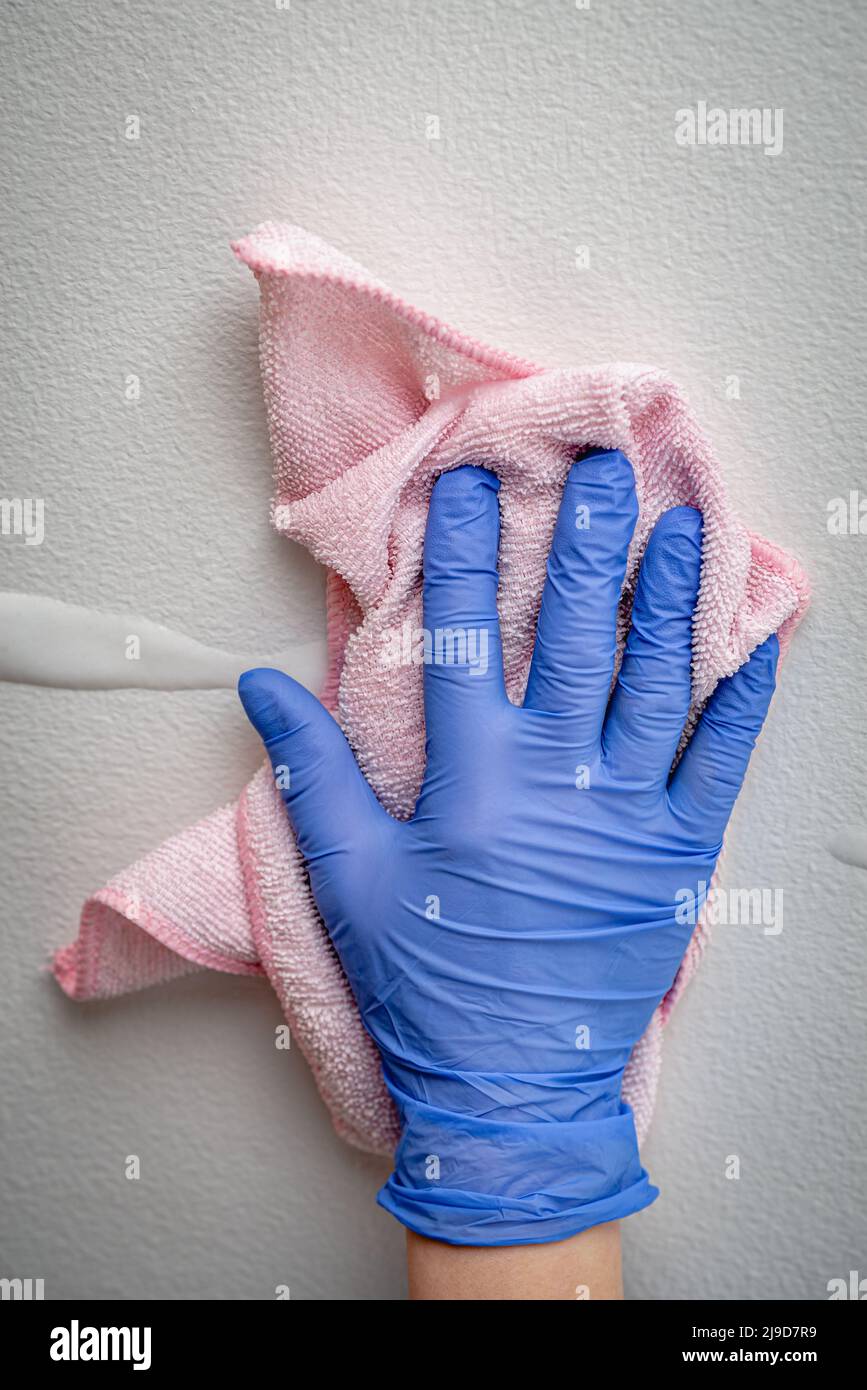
(509, 944)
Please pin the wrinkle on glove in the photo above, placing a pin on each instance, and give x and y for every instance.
(368, 399)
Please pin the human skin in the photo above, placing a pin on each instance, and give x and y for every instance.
(585, 1267)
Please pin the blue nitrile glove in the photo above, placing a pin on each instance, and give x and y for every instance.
(508, 945)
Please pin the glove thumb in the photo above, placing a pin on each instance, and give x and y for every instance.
(330, 805)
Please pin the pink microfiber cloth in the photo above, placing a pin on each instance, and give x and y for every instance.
(368, 400)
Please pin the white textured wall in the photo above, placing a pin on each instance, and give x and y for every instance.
(557, 130)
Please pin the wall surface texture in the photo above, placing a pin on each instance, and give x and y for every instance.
(557, 132)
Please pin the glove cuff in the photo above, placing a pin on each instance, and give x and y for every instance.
(469, 1181)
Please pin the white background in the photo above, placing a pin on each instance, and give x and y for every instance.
(557, 131)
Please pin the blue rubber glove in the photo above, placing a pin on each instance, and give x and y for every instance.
(508, 945)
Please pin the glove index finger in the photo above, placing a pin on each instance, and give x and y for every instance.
(462, 655)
